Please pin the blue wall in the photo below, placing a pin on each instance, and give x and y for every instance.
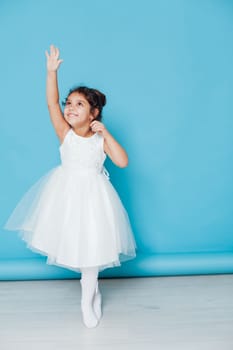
(167, 70)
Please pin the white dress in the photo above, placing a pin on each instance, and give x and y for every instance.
(73, 214)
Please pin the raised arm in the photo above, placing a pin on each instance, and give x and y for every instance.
(52, 94)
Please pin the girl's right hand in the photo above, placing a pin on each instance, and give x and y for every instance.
(53, 61)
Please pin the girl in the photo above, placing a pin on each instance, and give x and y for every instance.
(73, 215)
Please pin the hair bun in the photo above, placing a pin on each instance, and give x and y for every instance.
(101, 97)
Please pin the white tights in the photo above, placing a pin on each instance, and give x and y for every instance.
(90, 296)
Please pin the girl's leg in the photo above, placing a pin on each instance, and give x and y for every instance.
(90, 300)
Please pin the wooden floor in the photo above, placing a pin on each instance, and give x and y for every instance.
(165, 313)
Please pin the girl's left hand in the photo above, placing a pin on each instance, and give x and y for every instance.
(99, 127)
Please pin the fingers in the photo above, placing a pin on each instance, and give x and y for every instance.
(54, 51)
(93, 124)
(96, 122)
(59, 62)
(53, 55)
(97, 126)
(57, 52)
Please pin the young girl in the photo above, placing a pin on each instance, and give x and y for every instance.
(73, 215)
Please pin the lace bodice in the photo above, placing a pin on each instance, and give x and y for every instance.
(82, 153)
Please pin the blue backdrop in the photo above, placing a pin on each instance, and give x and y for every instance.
(166, 68)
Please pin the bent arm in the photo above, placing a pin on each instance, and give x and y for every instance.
(114, 150)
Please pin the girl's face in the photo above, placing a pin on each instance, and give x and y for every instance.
(77, 111)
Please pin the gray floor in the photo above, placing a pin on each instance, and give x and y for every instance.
(165, 313)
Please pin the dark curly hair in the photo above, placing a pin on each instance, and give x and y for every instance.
(95, 98)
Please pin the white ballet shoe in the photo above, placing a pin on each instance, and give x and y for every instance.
(97, 303)
(89, 318)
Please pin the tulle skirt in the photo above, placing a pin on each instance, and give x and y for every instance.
(76, 219)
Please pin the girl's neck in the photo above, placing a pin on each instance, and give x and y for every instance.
(84, 132)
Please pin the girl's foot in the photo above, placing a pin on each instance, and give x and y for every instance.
(89, 318)
(97, 303)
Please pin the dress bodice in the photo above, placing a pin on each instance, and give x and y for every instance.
(83, 153)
